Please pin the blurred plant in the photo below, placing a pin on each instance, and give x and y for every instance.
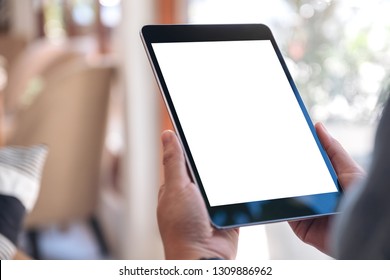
(337, 51)
(340, 50)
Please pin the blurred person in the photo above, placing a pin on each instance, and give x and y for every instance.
(361, 231)
(20, 174)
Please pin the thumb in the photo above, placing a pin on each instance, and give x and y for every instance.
(175, 170)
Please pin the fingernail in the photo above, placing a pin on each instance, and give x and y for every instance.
(326, 132)
(166, 137)
(324, 128)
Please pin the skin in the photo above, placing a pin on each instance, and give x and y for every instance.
(315, 232)
(182, 216)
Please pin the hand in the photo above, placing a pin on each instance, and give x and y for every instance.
(315, 231)
(182, 216)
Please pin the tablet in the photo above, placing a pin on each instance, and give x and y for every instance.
(249, 143)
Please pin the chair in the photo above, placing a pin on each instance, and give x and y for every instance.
(11, 47)
(69, 115)
(39, 58)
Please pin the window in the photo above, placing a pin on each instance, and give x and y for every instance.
(339, 55)
(337, 51)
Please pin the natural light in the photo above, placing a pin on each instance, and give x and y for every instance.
(337, 53)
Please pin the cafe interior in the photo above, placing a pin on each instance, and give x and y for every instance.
(75, 77)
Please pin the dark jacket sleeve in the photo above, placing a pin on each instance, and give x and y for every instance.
(362, 230)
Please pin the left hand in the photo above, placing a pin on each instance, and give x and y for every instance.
(182, 216)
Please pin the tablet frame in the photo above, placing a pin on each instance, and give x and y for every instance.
(249, 213)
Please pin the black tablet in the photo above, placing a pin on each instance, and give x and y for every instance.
(249, 142)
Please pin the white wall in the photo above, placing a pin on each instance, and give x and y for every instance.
(140, 237)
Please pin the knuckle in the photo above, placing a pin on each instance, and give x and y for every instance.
(170, 156)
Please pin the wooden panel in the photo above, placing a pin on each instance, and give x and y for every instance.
(167, 14)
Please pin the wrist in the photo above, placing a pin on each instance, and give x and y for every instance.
(190, 252)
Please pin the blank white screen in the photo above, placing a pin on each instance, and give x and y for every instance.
(245, 129)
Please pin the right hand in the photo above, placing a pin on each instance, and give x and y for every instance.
(316, 231)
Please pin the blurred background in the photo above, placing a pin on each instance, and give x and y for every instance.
(74, 75)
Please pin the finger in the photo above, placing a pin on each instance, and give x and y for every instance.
(175, 170)
(341, 160)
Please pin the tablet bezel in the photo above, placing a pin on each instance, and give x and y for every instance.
(248, 213)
